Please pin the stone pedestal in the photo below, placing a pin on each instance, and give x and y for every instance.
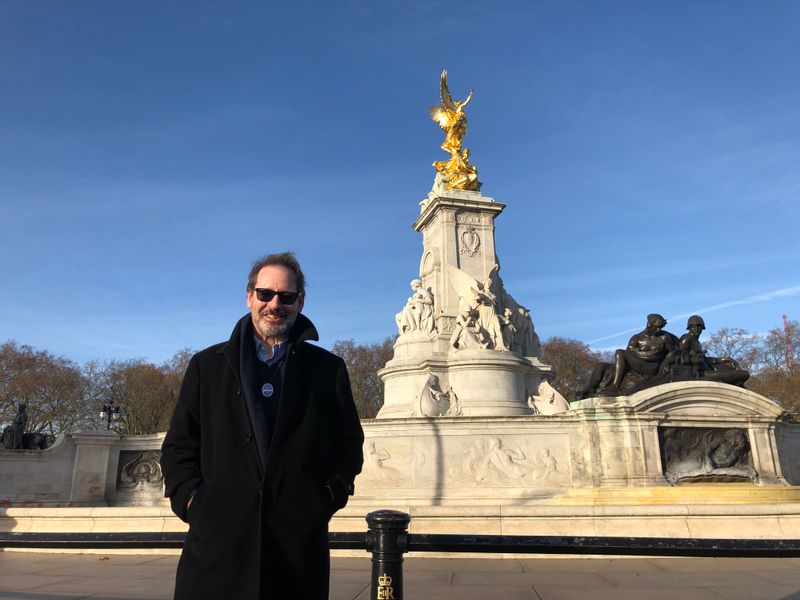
(491, 383)
(457, 229)
(599, 452)
(602, 469)
(92, 456)
(496, 371)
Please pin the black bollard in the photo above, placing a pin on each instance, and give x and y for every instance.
(387, 539)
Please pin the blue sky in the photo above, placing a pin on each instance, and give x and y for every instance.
(648, 154)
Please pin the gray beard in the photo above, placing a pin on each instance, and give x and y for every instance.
(278, 331)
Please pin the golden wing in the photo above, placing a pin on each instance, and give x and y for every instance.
(442, 116)
(447, 99)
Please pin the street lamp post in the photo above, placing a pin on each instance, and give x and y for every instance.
(109, 413)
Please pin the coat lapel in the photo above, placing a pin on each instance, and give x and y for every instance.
(232, 353)
(294, 397)
(292, 405)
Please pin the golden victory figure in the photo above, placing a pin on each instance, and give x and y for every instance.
(457, 172)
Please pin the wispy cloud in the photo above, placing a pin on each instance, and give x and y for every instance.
(782, 293)
(765, 297)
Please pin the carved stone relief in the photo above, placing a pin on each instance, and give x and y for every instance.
(694, 454)
(139, 470)
(490, 459)
(789, 453)
(433, 401)
(470, 242)
(385, 466)
(375, 460)
(446, 324)
(547, 400)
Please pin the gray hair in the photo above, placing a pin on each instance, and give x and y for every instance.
(283, 259)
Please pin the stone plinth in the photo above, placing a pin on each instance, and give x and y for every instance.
(491, 383)
(37, 477)
(695, 409)
(457, 229)
(670, 436)
(466, 347)
(89, 474)
(90, 468)
(601, 469)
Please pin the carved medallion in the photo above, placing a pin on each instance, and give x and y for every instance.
(470, 241)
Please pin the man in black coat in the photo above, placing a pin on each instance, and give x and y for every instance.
(263, 448)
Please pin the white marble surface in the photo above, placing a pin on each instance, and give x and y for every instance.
(460, 270)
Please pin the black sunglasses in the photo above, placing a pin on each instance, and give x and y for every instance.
(286, 298)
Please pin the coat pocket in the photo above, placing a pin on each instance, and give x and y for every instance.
(196, 504)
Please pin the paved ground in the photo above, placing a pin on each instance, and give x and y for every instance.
(39, 576)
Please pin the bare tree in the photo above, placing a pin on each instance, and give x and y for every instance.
(52, 387)
(778, 377)
(780, 349)
(174, 369)
(572, 363)
(142, 393)
(363, 362)
(738, 344)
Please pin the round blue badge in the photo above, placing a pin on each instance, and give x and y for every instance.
(267, 390)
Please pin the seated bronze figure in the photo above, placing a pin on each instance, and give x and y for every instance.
(654, 356)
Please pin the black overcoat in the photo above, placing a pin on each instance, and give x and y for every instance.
(260, 530)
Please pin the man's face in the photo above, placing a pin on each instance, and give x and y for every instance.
(273, 320)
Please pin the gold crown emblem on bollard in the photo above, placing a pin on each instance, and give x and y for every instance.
(384, 580)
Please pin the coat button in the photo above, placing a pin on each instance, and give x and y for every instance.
(248, 439)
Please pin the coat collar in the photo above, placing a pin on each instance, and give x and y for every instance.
(302, 330)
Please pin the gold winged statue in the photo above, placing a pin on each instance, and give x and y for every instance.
(457, 172)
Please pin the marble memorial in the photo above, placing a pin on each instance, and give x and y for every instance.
(473, 438)
(460, 327)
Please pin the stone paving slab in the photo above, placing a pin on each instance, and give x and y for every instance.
(54, 576)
